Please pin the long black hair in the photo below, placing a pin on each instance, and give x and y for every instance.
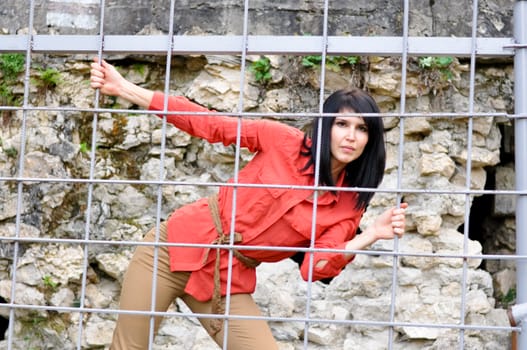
(368, 169)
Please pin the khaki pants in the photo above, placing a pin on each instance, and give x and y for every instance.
(132, 331)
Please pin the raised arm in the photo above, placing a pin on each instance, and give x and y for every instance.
(105, 77)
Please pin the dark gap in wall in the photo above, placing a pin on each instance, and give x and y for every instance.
(490, 223)
(4, 322)
(482, 218)
(481, 212)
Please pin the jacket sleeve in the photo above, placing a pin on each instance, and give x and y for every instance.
(256, 135)
(336, 237)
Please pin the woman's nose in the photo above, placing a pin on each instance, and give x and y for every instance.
(351, 134)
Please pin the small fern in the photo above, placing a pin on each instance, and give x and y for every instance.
(262, 70)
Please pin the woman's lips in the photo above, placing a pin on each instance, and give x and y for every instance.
(348, 149)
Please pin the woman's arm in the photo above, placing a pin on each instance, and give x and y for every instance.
(388, 225)
(256, 135)
(105, 77)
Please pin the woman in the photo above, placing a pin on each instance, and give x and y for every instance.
(352, 155)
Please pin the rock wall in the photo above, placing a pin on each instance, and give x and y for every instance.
(58, 144)
(276, 17)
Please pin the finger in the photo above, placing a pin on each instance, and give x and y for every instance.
(397, 224)
(96, 79)
(96, 66)
(397, 219)
(400, 210)
(105, 64)
(96, 73)
(96, 85)
(398, 215)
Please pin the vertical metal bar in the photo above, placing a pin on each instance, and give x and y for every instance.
(90, 187)
(520, 136)
(520, 21)
(317, 171)
(159, 200)
(402, 109)
(468, 170)
(236, 169)
(20, 184)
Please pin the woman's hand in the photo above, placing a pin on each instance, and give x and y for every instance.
(391, 223)
(105, 77)
(388, 225)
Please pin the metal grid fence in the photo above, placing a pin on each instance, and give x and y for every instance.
(404, 46)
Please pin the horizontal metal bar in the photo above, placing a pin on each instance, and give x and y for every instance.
(376, 253)
(263, 45)
(110, 311)
(300, 115)
(516, 46)
(254, 185)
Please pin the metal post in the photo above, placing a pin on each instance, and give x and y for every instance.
(520, 107)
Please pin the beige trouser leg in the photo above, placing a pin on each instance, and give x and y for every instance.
(132, 331)
(242, 334)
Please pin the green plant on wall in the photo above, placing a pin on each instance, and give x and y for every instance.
(48, 78)
(442, 64)
(139, 68)
(509, 298)
(11, 152)
(35, 325)
(333, 63)
(11, 65)
(84, 148)
(6, 94)
(262, 70)
(49, 283)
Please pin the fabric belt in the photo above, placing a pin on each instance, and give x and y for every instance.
(217, 305)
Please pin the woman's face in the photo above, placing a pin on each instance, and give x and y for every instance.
(349, 136)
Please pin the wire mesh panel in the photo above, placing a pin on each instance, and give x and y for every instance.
(85, 175)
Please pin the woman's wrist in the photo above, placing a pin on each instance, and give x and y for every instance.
(136, 94)
(361, 241)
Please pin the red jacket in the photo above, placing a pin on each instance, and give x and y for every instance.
(264, 216)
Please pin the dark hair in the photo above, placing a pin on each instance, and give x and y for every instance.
(368, 169)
